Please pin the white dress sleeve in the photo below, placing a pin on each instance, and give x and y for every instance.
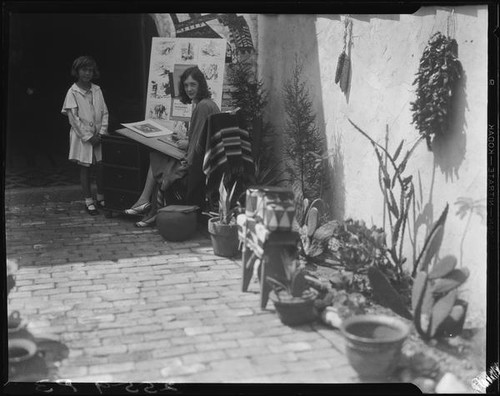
(70, 109)
(105, 117)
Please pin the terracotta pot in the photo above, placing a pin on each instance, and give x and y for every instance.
(295, 311)
(373, 344)
(224, 238)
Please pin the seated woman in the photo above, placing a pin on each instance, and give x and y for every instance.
(165, 170)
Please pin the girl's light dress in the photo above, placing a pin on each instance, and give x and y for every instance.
(92, 119)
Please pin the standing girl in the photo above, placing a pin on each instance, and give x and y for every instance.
(88, 116)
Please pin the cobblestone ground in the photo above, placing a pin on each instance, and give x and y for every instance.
(132, 307)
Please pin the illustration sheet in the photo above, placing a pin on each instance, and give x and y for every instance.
(148, 128)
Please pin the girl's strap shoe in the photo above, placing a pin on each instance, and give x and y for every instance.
(138, 210)
(91, 209)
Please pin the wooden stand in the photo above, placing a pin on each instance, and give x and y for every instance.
(268, 251)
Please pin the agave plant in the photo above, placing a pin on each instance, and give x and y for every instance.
(437, 310)
(227, 210)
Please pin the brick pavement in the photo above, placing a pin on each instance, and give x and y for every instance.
(132, 307)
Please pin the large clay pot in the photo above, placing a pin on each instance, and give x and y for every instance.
(224, 238)
(373, 344)
(294, 311)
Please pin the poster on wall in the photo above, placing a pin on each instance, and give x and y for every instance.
(169, 58)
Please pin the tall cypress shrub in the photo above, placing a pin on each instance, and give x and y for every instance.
(302, 137)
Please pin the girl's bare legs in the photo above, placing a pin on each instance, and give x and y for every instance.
(149, 185)
(85, 182)
(99, 181)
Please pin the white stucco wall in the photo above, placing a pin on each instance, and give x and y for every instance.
(385, 54)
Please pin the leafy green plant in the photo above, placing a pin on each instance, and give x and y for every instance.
(437, 310)
(355, 248)
(227, 208)
(268, 176)
(294, 283)
(308, 215)
(388, 175)
(436, 81)
(251, 98)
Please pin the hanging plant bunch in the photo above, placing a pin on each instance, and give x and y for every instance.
(437, 78)
(344, 62)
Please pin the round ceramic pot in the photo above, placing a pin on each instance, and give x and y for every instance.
(21, 349)
(224, 238)
(373, 344)
(295, 311)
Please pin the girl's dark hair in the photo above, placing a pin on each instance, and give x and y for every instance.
(84, 61)
(197, 75)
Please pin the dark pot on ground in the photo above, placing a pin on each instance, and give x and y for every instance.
(294, 311)
(224, 238)
(373, 344)
(177, 223)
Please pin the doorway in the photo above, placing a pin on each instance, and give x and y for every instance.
(42, 48)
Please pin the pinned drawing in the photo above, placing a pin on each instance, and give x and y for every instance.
(161, 69)
(210, 71)
(210, 48)
(165, 48)
(187, 51)
(160, 89)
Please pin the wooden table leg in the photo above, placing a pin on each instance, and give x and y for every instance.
(247, 263)
(272, 261)
(265, 289)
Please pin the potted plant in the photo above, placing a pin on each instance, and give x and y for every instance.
(292, 296)
(222, 225)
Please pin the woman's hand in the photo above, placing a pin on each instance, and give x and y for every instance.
(182, 144)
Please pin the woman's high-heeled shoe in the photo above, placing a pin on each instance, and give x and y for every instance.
(146, 223)
(138, 210)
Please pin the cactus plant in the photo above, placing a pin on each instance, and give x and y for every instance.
(309, 216)
(437, 310)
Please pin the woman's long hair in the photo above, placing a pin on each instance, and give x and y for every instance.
(197, 75)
